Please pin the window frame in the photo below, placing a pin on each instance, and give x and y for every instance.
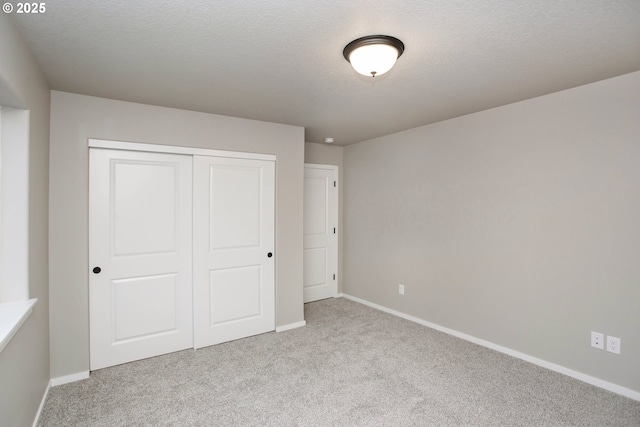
(15, 305)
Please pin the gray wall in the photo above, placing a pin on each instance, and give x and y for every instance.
(24, 362)
(74, 119)
(324, 154)
(518, 225)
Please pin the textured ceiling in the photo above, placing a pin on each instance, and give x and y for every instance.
(281, 60)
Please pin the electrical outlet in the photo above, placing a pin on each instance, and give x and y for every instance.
(401, 289)
(597, 340)
(613, 345)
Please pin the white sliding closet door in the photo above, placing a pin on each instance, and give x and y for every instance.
(233, 258)
(140, 228)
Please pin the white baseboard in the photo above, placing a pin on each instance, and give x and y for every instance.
(42, 402)
(291, 326)
(54, 382)
(69, 378)
(615, 388)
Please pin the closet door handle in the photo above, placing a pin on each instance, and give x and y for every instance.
(96, 270)
(269, 254)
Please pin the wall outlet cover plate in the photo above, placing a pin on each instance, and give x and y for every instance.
(613, 345)
(597, 340)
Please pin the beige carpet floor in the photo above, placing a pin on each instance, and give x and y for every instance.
(350, 366)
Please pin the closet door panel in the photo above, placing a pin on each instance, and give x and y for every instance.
(233, 264)
(140, 228)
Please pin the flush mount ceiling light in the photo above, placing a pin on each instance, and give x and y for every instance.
(373, 55)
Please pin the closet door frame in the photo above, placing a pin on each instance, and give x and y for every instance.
(189, 151)
(321, 232)
(174, 149)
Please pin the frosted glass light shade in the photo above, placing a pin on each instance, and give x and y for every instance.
(373, 55)
(374, 59)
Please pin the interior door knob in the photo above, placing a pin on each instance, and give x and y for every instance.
(97, 270)
(269, 254)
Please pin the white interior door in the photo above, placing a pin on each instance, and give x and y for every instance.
(233, 259)
(320, 232)
(140, 288)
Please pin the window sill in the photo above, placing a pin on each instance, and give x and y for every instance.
(12, 316)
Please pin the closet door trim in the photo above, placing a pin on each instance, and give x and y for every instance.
(172, 149)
